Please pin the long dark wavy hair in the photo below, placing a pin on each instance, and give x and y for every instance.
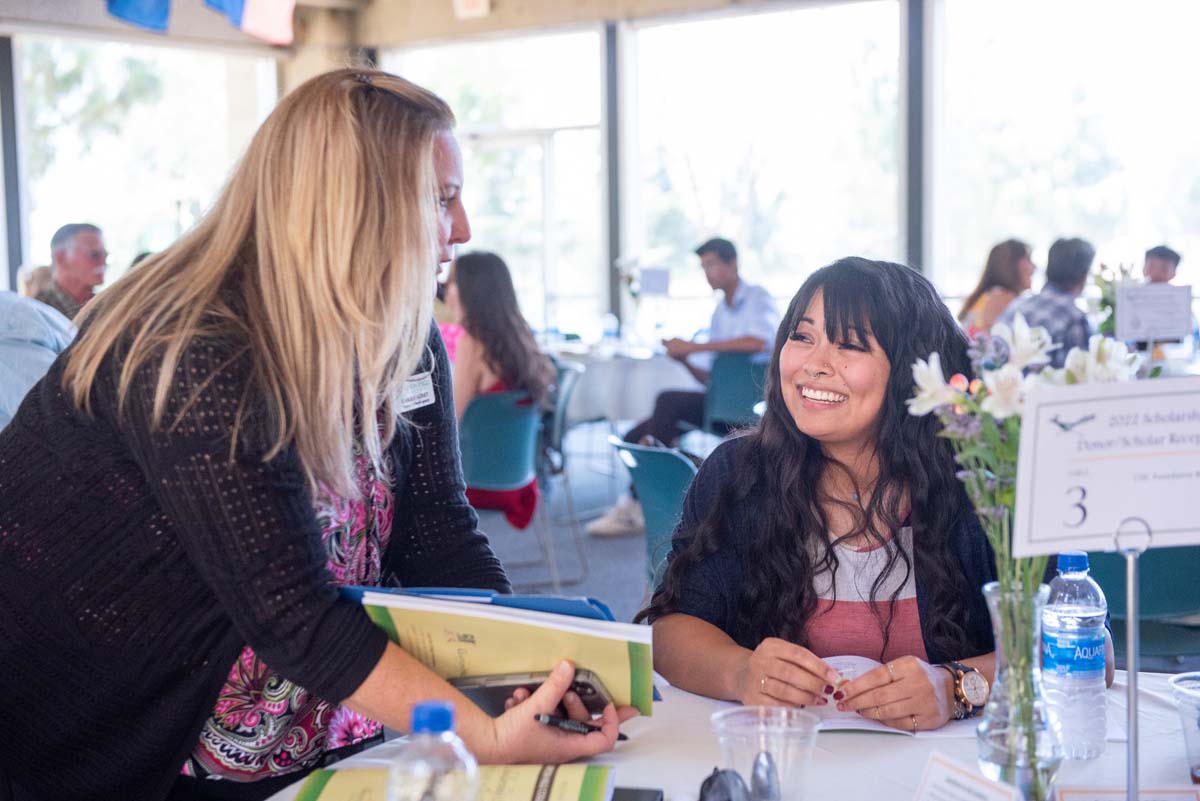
(781, 467)
(491, 315)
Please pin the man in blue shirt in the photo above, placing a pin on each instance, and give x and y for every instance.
(744, 322)
(31, 336)
(1054, 308)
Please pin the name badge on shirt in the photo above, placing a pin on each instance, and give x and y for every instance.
(417, 392)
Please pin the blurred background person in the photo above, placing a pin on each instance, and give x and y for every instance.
(496, 352)
(1067, 268)
(744, 321)
(32, 281)
(31, 336)
(78, 263)
(1160, 265)
(1007, 275)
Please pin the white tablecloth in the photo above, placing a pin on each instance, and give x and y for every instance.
(675, 749)
(622, 383)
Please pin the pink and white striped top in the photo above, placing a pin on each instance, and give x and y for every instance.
(846, 623)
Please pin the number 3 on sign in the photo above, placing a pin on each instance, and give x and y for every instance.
(1080, 496)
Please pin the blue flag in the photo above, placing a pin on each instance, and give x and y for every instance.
(150, 14)
(233, 9)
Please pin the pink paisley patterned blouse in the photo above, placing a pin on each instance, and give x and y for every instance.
(263, 725)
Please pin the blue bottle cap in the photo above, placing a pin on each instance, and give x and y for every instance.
(432, 717)
(1072, 562)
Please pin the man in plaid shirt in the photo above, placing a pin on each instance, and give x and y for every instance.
(1054, 308)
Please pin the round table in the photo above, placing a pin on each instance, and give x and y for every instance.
(675, 749)
(621, 382)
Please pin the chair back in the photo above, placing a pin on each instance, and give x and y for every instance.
(569, 374)
(1167, 582)
(735, 385)
(661, 477)
(499, 439)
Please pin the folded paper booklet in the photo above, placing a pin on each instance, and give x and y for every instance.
(854, 666)
(465, 638)
(850, 667)
(496, 783)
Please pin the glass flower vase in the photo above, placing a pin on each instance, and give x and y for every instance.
(1019, 741)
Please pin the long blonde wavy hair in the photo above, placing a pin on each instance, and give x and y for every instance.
(319, 255)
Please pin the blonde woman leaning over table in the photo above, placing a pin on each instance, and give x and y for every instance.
(232, 434)
(837, 527)
(1007, 274)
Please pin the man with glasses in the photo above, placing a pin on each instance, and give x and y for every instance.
(78, 262)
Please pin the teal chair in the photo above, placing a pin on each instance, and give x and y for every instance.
(499, 439)
(661, 477)
(735, 386)
(1169, 584)
(552, 455)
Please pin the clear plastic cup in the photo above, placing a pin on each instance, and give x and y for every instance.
(784, 735)
(1186, 688)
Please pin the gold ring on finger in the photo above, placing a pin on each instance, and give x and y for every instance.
(877, 715)
(891, 671)
(762, 685)
(914, 723)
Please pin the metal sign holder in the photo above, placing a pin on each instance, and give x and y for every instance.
(1132, 540)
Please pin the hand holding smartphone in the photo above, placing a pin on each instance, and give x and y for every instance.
(490, 692)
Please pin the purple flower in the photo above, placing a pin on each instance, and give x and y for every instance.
(960, 426)
(987, 352)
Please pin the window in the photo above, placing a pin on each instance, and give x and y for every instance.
(1071, 118)
(776, 130)
(528, 114)
(135, 139)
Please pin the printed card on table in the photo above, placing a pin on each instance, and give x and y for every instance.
(1098, 458)
(946, 780)
(1182, 793)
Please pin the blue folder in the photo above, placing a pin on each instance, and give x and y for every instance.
(575, 606)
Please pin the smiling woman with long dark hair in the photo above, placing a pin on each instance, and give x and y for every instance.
(837, 526)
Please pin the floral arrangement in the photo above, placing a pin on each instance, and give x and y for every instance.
(981, 416)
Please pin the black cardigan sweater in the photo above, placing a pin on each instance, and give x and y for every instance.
(136, 563)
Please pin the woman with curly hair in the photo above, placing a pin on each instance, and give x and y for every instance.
(837, 527)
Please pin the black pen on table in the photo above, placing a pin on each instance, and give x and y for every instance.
(571, 725)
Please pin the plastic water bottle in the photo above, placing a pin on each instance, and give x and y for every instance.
(1073, 656)
(435, 765)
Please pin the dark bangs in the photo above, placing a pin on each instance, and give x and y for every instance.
(857, 300)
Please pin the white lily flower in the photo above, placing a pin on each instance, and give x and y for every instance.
(932, 390)
(1027, 347)
(1105, 361)
(1110, 360)
(1006, 390)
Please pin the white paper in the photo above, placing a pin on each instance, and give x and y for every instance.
(946, 780)
(1153, 312)
(1098, 458)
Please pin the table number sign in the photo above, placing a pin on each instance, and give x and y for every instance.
(946, 780)
(1100, 458)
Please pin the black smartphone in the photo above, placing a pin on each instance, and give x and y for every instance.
(490, 692)
(636, 794)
